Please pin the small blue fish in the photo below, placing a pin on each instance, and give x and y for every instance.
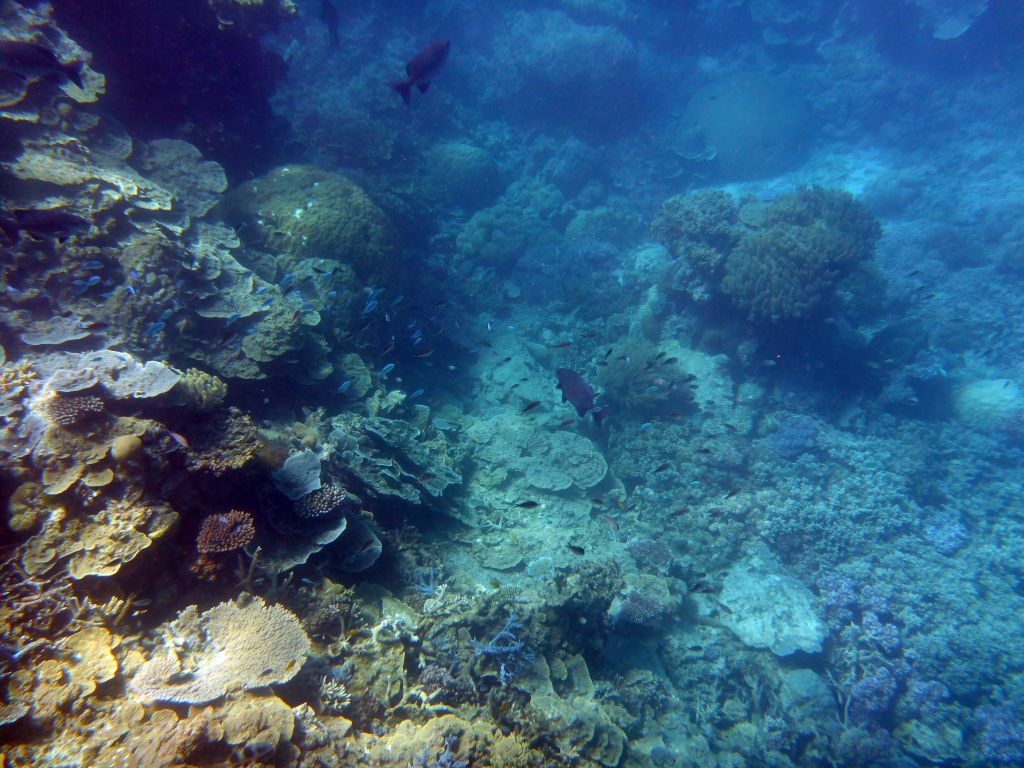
(416, 394)
(375, 292)
(93, 264)
(233, 318)
(87, 284)
(370, 306)
(267, 302)
(261, 290)
(343, 387)
(410, 325)
(387, 369)
(287, 280)
(165, 315)
(647, 425)
(155, 328)
(652, 389)
(133, 274)
(332, 294)
(130, 290)
(397, 300)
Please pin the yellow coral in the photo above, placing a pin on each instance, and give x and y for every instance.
(203, 390)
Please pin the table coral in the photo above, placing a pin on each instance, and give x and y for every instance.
(229, 647)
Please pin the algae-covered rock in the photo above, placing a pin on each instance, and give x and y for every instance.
(770, 609)
(307, 212)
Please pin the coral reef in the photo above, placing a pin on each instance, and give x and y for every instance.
(228, 647)
(307, 212)
(791, 268)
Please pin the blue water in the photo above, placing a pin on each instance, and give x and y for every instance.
(647, 391)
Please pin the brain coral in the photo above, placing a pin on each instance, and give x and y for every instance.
(787, 271)
(308, 212)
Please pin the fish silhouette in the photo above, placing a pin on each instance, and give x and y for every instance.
(422, 68)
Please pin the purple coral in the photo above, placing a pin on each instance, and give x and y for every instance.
(795, 435)
(873, 695)
(1000, 734)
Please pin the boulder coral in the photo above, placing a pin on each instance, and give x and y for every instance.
(307, 212)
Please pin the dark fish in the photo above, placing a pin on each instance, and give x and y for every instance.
(528, 504)
(732, 492)
(730, 428)
(31, 60)
(568, 422)
(425, 353)
(42, 223)
(329, 16)
(612, 522)
(576, 549)
(530, 406)
(679, 512)
(576, 391)
(663, 467)
(422, 68)
(670, 361)
(561, 345)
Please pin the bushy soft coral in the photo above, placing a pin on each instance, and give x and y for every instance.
(791, 269)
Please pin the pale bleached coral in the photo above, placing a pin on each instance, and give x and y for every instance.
(232, 646)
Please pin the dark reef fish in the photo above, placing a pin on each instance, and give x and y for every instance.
(41, 223)
(422, 68)
(329, 16)
(576, 391)
(31, 60)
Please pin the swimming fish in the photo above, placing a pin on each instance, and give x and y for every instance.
(421, 69)
(41, 223)
(576, 391)
(530, 504)
(329, 16)
(530, 406)
(343, 387)
(387, 369)
(31, 60)
(576, 549)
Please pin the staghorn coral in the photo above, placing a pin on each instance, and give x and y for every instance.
(226, 648)
(224, 533)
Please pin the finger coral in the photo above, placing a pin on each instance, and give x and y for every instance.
(224, 533)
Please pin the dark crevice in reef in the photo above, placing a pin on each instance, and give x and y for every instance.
(175, 64)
